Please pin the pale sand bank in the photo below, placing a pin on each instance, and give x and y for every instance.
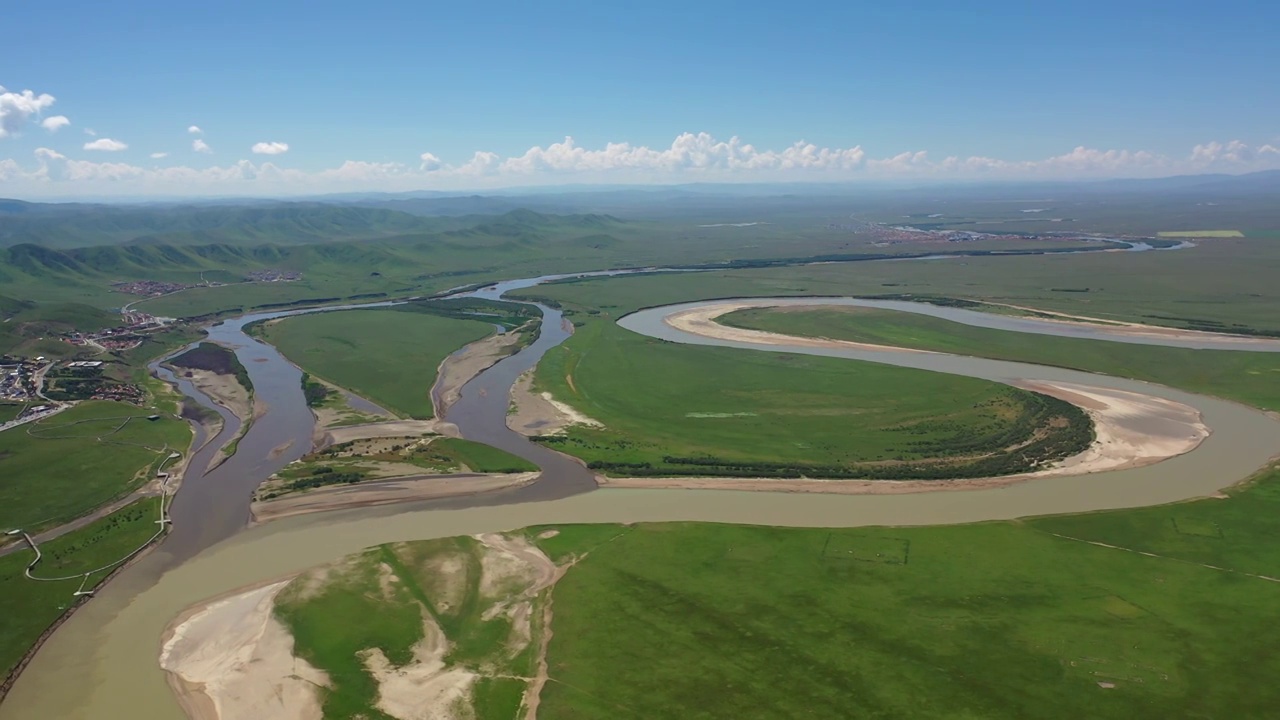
(459, 368)
(232, 659)
(539, 413)
(385, 492)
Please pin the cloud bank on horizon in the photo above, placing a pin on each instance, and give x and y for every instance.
(691, 157)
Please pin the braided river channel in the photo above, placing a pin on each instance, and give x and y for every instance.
(102, 663)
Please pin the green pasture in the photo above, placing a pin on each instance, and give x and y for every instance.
(658, 400)
(57, 469)
(995, 620)
(387, 356)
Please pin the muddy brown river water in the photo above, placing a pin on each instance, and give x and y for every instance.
(102, 663)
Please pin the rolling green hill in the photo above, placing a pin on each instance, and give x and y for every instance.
(280, 224)
(24, 325)
(428, 259)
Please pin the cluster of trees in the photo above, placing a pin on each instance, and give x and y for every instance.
(320, 477)
(315, 393)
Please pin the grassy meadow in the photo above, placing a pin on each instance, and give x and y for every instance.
(57, 469)
(388, 356)
(29, 607)
(676, 409)
(1248, 377)
(995, 620)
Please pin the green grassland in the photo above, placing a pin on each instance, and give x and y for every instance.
(62, 467)
(29, 607)
(995, 620)
(675, 409)
(481, 458)
(1248, 377)
(386, 355)
(1227, 284)
(393, 588)
(9, 411)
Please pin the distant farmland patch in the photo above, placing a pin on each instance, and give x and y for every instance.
(1200, 234)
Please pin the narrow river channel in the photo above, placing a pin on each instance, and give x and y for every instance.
(103, 662)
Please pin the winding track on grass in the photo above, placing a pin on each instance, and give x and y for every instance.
(110, 646)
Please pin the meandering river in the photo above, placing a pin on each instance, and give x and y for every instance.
(103, 662)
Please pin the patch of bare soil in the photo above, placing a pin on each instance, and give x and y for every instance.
(393, 428)
(232, 659)
(335, 416)
(385, 492)
(513, 574)
(540, 414)
(424, 689)
(458, 369)
(225, 390)
(701, 321)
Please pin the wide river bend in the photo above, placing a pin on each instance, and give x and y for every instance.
(103, 662)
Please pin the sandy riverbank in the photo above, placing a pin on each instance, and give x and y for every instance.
(535, 413)
(385, 492)
(231, 658)
(224, 390)
(459, 368)
(701, 321)
(392, 428)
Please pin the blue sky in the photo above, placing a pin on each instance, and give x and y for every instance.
(1009, 85)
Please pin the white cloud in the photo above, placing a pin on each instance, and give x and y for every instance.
(201, 146)
(17, 107)
(105, 145)
(688, 152)
(159, 155)
(430, 163)
(91, 132)
(55, 123)
(690, 156)
(195, 130)
(1231, 153)
(270, 148)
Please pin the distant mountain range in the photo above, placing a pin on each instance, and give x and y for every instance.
(519, 232)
